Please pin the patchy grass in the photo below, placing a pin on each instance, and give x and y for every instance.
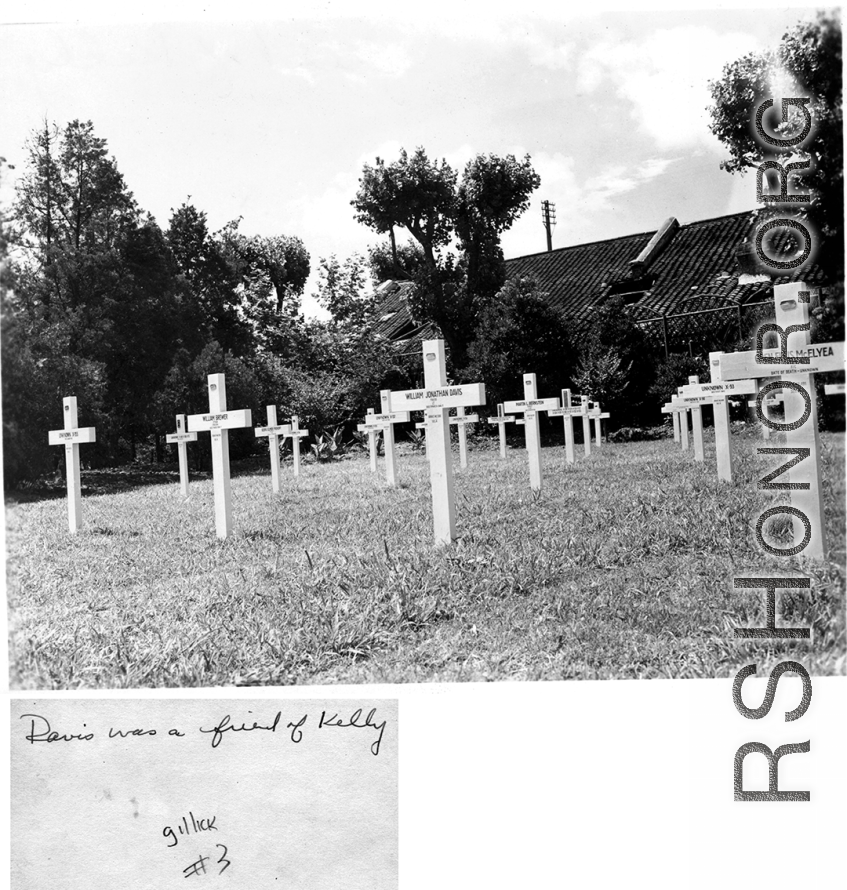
(622, 568)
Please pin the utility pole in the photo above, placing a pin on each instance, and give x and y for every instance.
(548, 216)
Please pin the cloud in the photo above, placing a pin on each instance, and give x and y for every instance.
(663, 78)
(299, 71)
(392, 60)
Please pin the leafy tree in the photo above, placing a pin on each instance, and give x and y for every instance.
(428, 200)
(518, 333)
(343, 289)
(673, 373)
(807, 62)
(395, 262)
(614, 333)
(75, 208)
(208, 282)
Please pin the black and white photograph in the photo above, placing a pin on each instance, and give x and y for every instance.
(486, 359)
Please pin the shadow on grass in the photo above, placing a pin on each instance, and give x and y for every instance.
(114, 480)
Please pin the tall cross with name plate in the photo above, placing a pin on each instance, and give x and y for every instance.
(435, 400)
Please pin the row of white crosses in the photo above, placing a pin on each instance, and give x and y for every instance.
(461, 420)
(740, 373)
(798, 393)
(530, 405)
(383, 423)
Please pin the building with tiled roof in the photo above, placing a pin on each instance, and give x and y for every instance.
(682, 283)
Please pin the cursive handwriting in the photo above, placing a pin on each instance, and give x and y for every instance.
(48, 735)
(224, 726)
(355, 721)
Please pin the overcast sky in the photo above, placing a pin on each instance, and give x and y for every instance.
(272, 119)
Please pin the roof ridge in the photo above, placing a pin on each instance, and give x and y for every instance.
(632, 235)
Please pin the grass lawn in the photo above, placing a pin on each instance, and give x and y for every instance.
(622, 568)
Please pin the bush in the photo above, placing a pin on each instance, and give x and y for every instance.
(639, 434)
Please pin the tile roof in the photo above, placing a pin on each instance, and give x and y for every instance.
(696, 269)
(699, 260)
(395, 321)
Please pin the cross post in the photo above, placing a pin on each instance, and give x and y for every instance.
(598, 417)
(180, 438)
(531, 405)
(717, 395)
(435, 400)
(372, 434)
(273, 431)
(71, 437)
(461, 420)
(295, 434)
(218, 422)
(501, 420)
(795, 377)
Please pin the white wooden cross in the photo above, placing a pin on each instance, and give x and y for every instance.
(796, 380)
(584, 405)
(273, 431)
(295, 434)
(598, 416)
(674, 411)
(717, 395)
(530, 405)
(567, 413)
(218, 422)
(501, 420)
(435, 400)
(71, 437)
(834, 389)
(694, 406)
(375, 423)
(461, 420)
(769, 402)
(683, 420)
(180, 438)
(372, 434)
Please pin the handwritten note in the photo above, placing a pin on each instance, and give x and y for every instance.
(204, 793)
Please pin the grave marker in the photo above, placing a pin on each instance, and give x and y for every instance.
(218, 422)
(674, 411)
(792, 311)
(769, 402)
(72, 437)
(834, 389)
(273, 431)
(384, 423)
(567, 413)
(531, 405)
(181, 438)
(683, 422)
(697, 424)
(598, 416)
(586, 425)
(501, 420)
(435, 400)
(296, 434)
(461, 420)
(718, 394)
(372, 434)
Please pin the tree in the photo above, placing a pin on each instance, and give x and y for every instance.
(807, 62)
(613, 333)
(343, 289)
(75, 208)
(395, 262)
(519, 332)
(428, 200)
